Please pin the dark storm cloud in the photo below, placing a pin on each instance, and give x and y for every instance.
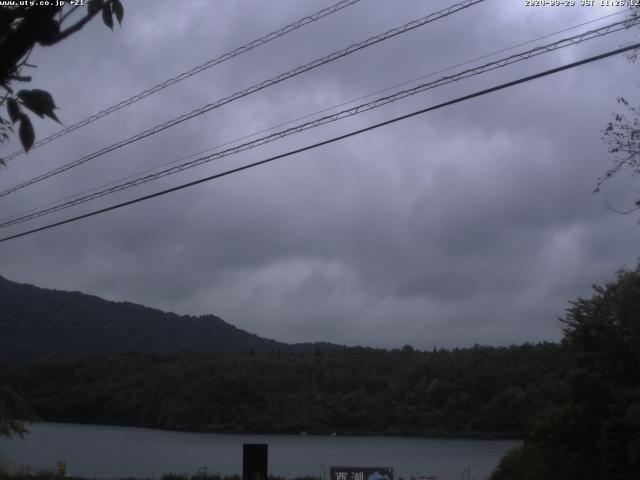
(475, 223)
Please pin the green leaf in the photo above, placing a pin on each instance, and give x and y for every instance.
(26, 133)
(106, 16)
(118, 10)
(14, 110)
(39, 102)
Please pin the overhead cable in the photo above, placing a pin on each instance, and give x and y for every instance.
(328, 141)
(570, 41)
(194, 71)
(303, 117)
(253, 89)
(308, 115)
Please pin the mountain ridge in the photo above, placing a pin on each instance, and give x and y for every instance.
(39, 323)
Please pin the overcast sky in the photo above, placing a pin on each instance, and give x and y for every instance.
(471, 224)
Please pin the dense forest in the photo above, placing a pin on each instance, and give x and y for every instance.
(481, 391)
(593, 432)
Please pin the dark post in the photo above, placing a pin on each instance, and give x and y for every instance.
(254, 461)
(61, 468)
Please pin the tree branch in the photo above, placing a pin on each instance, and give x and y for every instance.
(20, 78)
(76, 26)
(18, 43)
(64, 17)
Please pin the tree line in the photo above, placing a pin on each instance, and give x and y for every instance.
(479, 391)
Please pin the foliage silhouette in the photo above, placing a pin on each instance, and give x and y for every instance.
(594, 430)
(23, 27)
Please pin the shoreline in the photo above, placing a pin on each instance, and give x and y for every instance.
(484, 436)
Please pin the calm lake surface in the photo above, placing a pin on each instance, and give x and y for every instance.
(111, 452)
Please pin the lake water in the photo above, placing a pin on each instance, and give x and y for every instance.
(111, 452)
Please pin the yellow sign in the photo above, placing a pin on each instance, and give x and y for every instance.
(62, 468)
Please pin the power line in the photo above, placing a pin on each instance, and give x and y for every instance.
(327, 109)
(194, 71)
(309, 115)
(330, 118)
(330, 140)
(570, 41)
(255, 88)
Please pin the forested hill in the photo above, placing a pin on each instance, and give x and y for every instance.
(38, 323)
(480, 391)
